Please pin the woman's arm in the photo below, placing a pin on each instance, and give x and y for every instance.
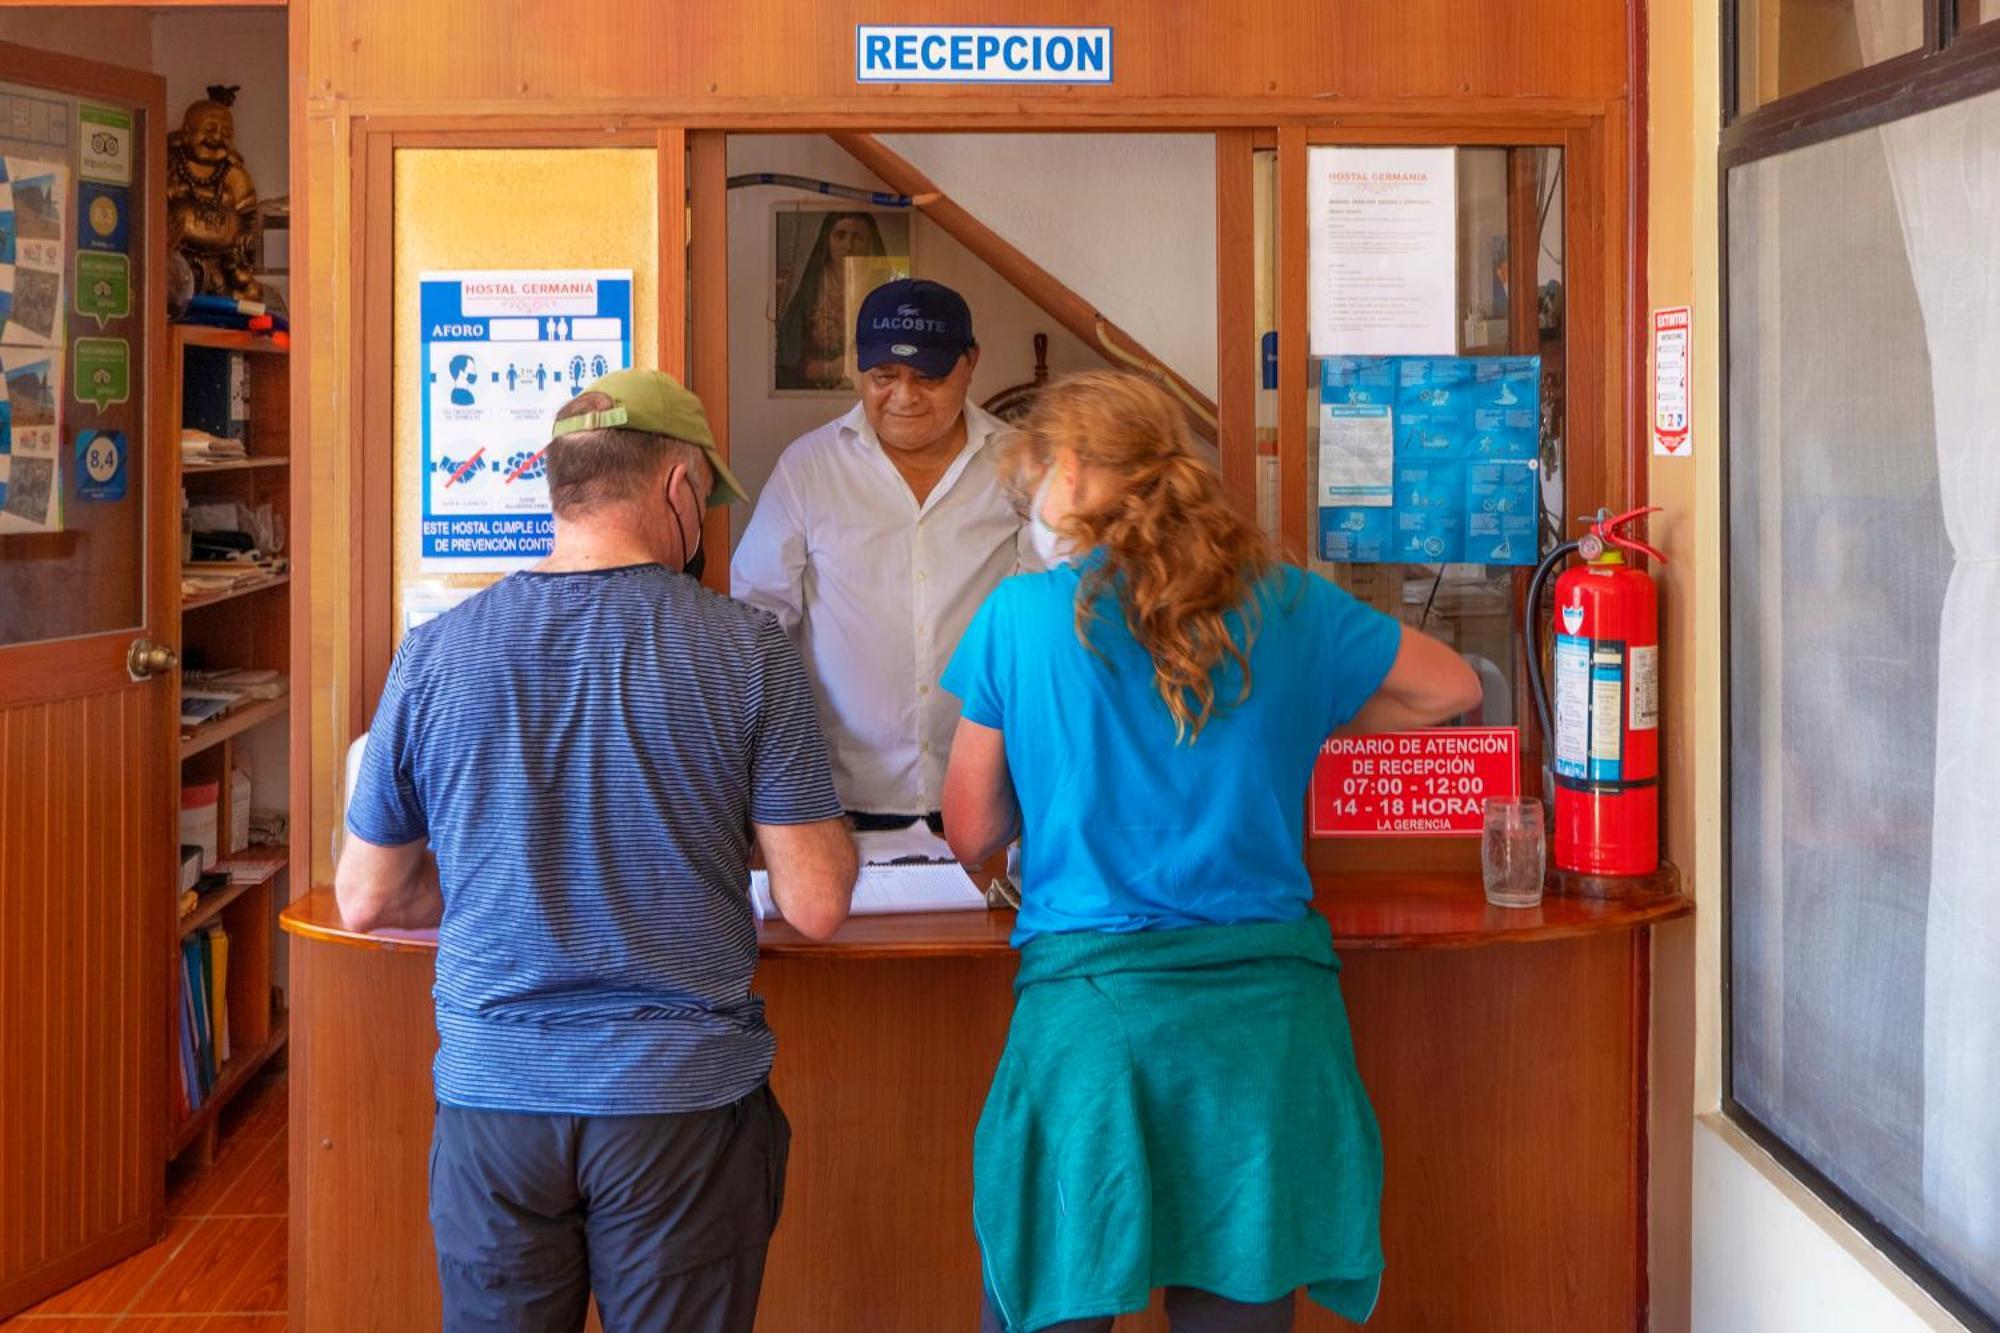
(1428, 683)
(981, 814)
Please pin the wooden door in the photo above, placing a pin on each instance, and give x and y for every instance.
(88, 536)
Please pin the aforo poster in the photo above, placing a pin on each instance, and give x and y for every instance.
(502, 350)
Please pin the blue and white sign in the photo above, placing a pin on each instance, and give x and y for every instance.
(1430, 459)
(966, 53)
(502, 350)
(100, 466)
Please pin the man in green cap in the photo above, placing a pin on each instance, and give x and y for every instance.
(564, 775)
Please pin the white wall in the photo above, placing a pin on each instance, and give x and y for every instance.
(1127, 221)
(1770, 1258)
(760, 426)
(194, 48)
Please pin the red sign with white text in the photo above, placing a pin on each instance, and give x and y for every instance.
(1407, 784)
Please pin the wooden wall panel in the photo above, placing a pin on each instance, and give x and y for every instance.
(617, 50)
(82, 988)
(1505, 1079)
(363, 1035)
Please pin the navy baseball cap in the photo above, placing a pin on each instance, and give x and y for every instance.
(917, 323)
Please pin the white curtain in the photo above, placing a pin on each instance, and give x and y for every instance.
(1945, 166)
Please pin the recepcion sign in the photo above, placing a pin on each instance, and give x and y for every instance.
(1413, 783)
(980, 53)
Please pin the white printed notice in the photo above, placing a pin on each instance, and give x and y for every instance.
(1357, 454)
(502, 350)
(1383, 251)
(1671, 438)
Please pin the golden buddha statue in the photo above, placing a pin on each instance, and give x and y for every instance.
(211, 202)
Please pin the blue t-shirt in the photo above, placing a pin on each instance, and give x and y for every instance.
(1123, 829)
(585, 753)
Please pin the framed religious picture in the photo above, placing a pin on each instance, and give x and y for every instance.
(825, 259)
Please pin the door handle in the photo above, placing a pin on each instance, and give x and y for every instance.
(148, 659)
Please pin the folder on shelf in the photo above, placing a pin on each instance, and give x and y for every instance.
(188, 1102)
(196, 987)
(218, 977)
(190, 1042)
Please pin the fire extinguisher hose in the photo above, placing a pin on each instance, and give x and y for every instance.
(1537, 685)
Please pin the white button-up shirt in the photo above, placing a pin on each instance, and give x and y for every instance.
(876, 590)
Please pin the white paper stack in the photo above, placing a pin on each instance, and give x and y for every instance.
(909, 870)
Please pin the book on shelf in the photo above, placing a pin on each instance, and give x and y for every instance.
(201, 449)
(215, 942)
(204, 578)
(193, 1061)
(199, 706)
(190, 1080)
(207, 695)
(253, 864)
(248, 682)
(204, 1014)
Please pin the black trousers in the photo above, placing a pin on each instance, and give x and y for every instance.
(867, 821)
(1189, 1310)
(665, 1218)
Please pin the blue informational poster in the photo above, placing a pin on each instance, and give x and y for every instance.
(502, 350)
(1461, 453)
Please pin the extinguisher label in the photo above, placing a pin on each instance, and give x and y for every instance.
(1589, 709)
(1607, 714)
(1572, 706)
(1646, 688)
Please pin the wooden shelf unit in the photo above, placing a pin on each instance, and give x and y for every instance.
(247, 627)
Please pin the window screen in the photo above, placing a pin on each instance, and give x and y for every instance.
(1864, 621)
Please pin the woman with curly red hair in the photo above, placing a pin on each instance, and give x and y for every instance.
(1178, 1104)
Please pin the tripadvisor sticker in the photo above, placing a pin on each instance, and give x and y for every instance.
(102, 371)
(103, 286)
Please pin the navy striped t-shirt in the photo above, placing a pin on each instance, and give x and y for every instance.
(585, 753)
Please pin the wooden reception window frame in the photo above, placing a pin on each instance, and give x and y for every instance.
(1604, 299)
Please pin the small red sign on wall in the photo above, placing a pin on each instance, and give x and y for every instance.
(1406, 784)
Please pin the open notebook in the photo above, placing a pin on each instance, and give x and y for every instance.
(908, 870)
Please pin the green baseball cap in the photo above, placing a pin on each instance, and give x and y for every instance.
(656, 402)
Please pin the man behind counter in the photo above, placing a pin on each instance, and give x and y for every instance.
(877, 537)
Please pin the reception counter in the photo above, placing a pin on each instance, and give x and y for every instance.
(1504, 1051)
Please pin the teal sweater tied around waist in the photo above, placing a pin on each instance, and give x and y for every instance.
(1178, 1108)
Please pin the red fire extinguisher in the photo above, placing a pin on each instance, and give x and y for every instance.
(1603, 742)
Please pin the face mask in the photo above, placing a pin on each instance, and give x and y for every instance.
(1051, 547)
(697, 560)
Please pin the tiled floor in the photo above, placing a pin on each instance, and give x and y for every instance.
(221, 1266)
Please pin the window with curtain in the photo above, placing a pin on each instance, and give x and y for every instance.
(1789, 46)
(1864, 623)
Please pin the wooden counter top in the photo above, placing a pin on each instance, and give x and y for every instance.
(1368, 911)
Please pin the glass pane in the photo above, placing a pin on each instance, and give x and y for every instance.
(1865, 671)
(72, 429)
(458, 219)
(1787, 46)
(1505, 197)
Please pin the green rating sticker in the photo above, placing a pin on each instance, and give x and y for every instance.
(103, 286)
(102, 371)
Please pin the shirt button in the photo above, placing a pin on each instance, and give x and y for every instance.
(923, 689)
(921, 576)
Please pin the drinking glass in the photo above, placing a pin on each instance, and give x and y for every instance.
(1510, 852)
